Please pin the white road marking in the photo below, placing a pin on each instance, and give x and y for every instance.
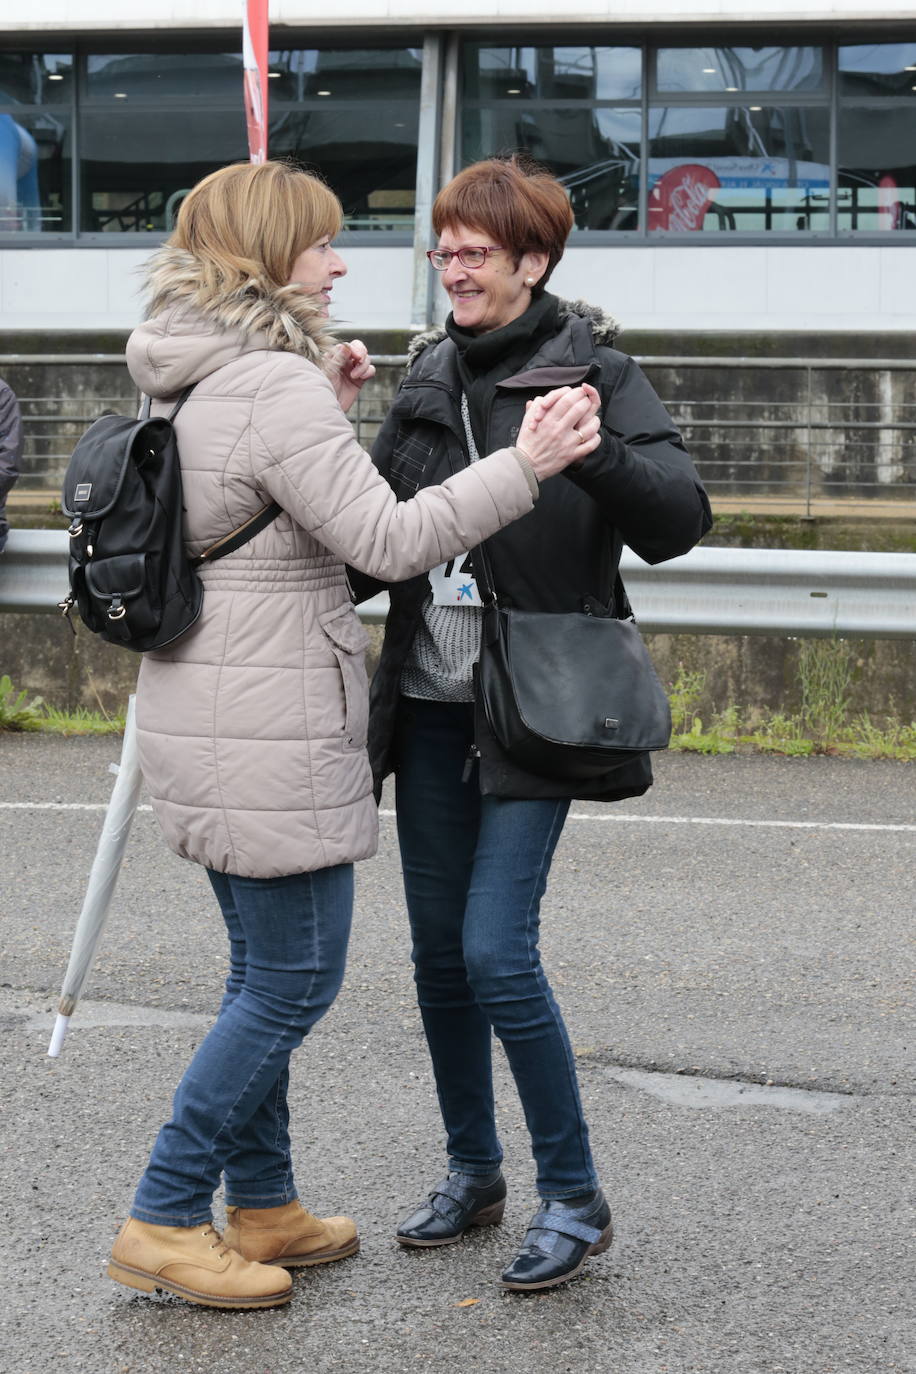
(606, 817)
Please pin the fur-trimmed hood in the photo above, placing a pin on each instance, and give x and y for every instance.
(604, 328)
(195, 326)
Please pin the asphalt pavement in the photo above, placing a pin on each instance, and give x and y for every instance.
(734, 955)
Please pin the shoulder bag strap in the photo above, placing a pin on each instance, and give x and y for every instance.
(480, 561)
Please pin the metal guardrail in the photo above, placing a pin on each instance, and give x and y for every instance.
(820, 441)
(708, 591)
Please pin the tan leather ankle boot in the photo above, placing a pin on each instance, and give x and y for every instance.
(195, 1263)
(289, 1235)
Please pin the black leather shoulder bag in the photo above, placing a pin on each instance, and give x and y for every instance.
(568, 695)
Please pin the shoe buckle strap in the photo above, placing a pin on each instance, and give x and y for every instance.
(451, 1189)
(567, 1226)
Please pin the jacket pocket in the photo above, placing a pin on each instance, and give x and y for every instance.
(348, 638)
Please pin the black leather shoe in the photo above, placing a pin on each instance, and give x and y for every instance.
(456, 1203)
(558, 1241)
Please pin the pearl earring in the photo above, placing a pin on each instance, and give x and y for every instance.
(529, 281)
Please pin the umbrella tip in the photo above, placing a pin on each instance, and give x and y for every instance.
(61, 1026)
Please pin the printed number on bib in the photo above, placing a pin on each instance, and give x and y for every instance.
(453, 583)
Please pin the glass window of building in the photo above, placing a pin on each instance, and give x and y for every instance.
(137, 78)
(877, 69)
(36, 93)
(153, 124)
(755, 162)
(36, 78)
(714, 69)
(751, 169)
(551, 73)
(353, 116)
(876, 149)
(789, 140)
(575, 108)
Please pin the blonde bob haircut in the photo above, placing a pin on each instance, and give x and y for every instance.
(251, 221)
(515, 201)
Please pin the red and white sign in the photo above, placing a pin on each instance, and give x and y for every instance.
(890, 209)
(679, 200)
(254, 61)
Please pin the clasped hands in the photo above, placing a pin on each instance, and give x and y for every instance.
(560, 428)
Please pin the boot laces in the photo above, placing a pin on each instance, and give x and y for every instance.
(217, 1243)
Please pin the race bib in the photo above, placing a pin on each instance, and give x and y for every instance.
(453, 583)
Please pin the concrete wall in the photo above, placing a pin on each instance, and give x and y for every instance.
(809, 288)
(849, 454)
(41, 654)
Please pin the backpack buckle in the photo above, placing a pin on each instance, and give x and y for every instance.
(117, 610)
(65, 607)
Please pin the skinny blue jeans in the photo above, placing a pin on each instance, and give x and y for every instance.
(475, 870)
(287, 949)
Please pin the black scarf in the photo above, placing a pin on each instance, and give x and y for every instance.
(485, 359)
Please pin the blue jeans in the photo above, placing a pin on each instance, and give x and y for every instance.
(475, 870)
(287, 950)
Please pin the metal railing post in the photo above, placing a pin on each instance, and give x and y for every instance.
(428, 151)
(808, 451)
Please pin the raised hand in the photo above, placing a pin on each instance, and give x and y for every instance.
(348, 367)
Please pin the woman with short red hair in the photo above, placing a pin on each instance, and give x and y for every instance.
(477, 833)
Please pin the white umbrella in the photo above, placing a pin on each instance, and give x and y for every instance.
(102, 879)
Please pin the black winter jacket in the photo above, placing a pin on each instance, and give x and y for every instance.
(638, 488)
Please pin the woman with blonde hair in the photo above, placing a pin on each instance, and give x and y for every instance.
(252, 726)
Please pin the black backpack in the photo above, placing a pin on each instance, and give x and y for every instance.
(131, 579)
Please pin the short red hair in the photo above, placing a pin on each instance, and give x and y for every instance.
(520, 205)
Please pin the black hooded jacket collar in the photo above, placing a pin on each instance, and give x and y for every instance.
(564, 357)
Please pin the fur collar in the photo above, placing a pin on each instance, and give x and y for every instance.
(604, 328)
(289, 320)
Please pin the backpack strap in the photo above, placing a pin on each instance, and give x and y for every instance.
(236, 538)
(147, 402)
(180, 402)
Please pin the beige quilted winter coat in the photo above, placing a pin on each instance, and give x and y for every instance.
(252, 727)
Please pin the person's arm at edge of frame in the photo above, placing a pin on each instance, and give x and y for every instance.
(11, 441)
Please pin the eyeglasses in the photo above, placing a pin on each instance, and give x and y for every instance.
(468, 257)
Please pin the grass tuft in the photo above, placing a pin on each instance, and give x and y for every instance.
(822, 726)
(16, 711)
(82, 722)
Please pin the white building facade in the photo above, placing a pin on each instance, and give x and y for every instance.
(725, 175)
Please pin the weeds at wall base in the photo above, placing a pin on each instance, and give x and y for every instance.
(19, 713)
(823, 725)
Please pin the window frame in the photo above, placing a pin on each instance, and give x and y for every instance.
(81, 47)
(829, 40)
(646, 39)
